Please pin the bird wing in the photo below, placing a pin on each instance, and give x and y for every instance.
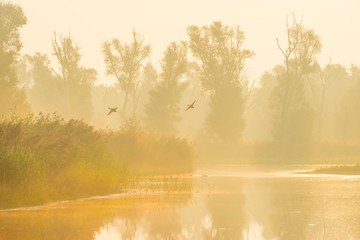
(190, 105)
(111, 110)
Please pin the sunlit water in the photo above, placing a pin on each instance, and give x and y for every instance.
(225, 202)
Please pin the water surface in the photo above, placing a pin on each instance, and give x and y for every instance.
(224, 202)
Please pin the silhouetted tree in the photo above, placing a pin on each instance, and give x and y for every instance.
(77, 79)
(327, 86)
(103, 98)
(12, 99)
(163, 108)
(192, 122)
(47, 92)
(24, 79)
(124, 62)
(293, 119)
(222, 61)
(149, 78)
(349, 110)
(258, 114)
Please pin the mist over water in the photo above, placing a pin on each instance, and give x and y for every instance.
(223, 122)
(236, 202)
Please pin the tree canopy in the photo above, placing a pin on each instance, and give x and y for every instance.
(220, 53)
(124, 62)
(163, 108)
(13, 99)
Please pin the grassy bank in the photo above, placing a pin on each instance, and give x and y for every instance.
(339, 170)
(46, 158)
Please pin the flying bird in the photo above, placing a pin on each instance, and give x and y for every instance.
(190, 106)
(112, 110)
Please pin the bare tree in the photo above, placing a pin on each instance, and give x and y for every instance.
(288, 99)
(124, 62)
(77, 79)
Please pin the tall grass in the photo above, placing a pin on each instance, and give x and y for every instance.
(43, 158)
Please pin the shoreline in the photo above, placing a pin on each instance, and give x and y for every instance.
(338, 170)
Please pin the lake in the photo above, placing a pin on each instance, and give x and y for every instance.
(217, 202)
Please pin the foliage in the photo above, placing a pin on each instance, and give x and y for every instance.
(77, 80)
(293, 118)
(12, 99)
(46, 91)
(257, 112)
(222, 61)
(46, 158)
(349, 114)
(163, 109)
(149, 78)
(226, 115)
(124, 61)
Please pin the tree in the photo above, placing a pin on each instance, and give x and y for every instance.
(13, 99)
(76, 79)
(258, 114)
(349, 111)
(149, 78)
(124, 62)
(222, 59)
(192, 122)
(24, 80)
(47, 92)
(163, 108)
(330, 83)
(293, 117)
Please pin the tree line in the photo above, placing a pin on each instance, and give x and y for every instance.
(298, 101)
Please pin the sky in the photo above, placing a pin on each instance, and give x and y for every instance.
(91, 22)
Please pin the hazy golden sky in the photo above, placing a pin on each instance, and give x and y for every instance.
(90, 22)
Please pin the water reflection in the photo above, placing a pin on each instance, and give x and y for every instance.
(227, 209)
(218, 208)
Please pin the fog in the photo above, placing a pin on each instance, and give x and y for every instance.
(98, 36)
(91, 23)
(131, 98)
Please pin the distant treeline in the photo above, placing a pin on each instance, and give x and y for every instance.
(47, 158)
(270, 152)
(298, 102)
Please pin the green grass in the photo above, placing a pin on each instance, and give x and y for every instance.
(45, 158)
